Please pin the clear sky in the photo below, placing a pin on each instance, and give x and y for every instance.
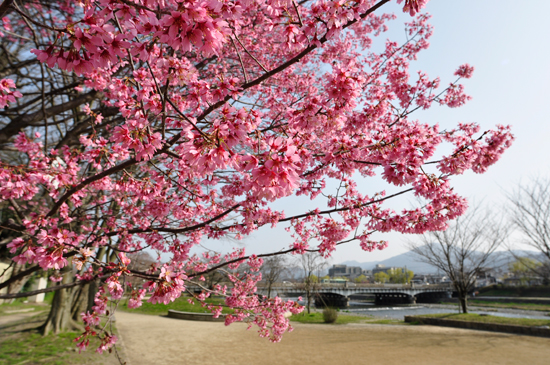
(508, 43)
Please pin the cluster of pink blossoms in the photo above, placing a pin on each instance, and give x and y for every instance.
(7, 95)
(413, 6)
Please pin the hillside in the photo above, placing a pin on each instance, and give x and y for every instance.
(412, 262)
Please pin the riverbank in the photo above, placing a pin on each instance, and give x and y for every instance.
(520, 326)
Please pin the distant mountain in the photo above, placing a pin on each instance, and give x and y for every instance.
(363, 265)
(408, 259)
(412, 262)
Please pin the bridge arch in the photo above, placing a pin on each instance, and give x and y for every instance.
(329, 299)
(394, 298)
(432, 297)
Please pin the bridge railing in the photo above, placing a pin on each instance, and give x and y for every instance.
(361, 286)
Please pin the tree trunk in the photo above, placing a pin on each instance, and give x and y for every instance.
(463, 299)
(464, 304)
(60, 317)
(80, 303)
(93, 287)
(308, 297)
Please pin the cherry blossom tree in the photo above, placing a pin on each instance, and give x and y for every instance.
(132, 125)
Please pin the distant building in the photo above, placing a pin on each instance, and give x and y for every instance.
(344, 271)
(430, 279)
(382, 268)
(337, 270)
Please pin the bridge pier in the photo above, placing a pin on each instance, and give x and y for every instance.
(332, 300)
(393, 298)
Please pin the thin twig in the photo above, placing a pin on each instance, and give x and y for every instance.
(17, 209)
(29, 18)
(240, 60)
(187, 119)
(44, 112)
(248, 53)
(298, 12)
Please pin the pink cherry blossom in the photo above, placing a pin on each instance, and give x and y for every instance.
(465, 71)
(6, 94)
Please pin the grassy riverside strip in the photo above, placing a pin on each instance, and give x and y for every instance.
(518, 326)
(471, 317)
(522, 306)
(317, 317)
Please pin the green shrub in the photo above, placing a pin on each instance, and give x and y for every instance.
(330, 315)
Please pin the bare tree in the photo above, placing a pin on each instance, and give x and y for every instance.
(272, 270)
(530, 214)
(462, 250)
(311, 263)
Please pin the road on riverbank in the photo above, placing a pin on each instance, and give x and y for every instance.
(161, 340)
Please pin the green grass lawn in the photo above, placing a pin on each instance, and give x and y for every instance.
(180, 304)
(31, 347)
(523, 306)
(21, 343)
(470, 317)
(495, 304)
(317, 317)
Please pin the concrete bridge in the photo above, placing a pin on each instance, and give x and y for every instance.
(338, 294)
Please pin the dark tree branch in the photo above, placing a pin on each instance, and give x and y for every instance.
(21, 122)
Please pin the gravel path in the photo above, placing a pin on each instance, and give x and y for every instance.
(161, 340)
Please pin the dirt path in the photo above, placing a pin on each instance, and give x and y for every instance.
(9, 318)
(161, 340)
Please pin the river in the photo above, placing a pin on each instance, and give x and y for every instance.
(399, 312)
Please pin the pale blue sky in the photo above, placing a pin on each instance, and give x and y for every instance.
(508, 43)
